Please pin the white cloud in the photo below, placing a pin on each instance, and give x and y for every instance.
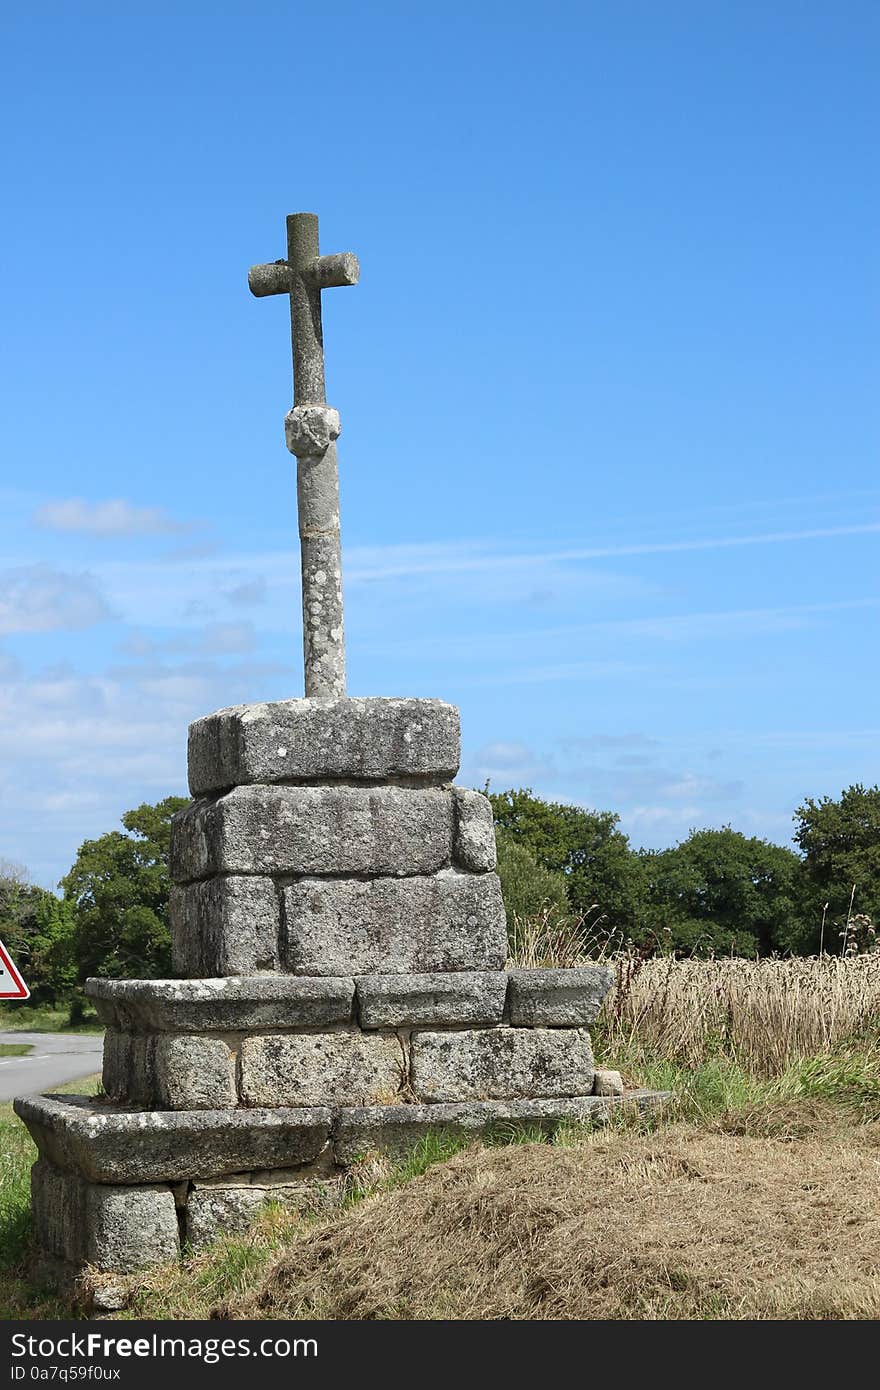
(815, 533)
(387, 585)
(104, 520)
(9, 666)
(507, 763)
(621, 784)
(684, 785)
(215, 639)
(36, 598)
(250, 591)
(77, 751)
(395, 561)
(228, 638)
(657, 826)
(612, 741)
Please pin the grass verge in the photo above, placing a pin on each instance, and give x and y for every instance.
(18, 1298)
(39, 1018)
(748, 1198)
(752, 1196)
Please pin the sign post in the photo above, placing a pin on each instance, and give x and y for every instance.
(12, 986)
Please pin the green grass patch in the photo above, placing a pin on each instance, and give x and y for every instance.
(435, 1147)
(18, 1298)
(40, 1018)
(721, 1085)
(17, 1153)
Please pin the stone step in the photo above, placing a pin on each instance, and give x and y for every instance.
(568, 998)
(118, 1190)
(108, 1143)
(449, 921)
(233, 1003)
(314, 830)
(395, 1129)
(442, 998)
(104, 1143)
(373, 739)
(343, 1066)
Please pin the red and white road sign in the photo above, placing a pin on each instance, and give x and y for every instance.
(12, 986)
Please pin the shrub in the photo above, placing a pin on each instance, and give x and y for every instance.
(527, 886)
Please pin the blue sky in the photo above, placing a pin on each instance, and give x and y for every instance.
(608, 391)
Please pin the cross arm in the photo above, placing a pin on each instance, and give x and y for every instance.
(324, 273)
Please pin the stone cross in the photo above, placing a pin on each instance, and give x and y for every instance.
(311, 429)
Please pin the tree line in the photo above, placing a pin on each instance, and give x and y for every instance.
(718, 890)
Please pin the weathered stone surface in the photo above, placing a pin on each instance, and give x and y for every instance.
(317, 493)
(502, 1063)
(395, 1129)
(452, 997)
(224, 926)
(446, 921)
(212, 1212)
(311, 429)
(129, 1228)
(190, 851)
(304, 276)
(57, 1204)
(343, 1068)
(222, 1208)
(557, 998)
(117, 1071)
(129, 1072)
(315, 830)
(288, 740)
(321, 582)
(236, 1003)
(194, 1073)
(109, 1144)
(107, 1294)
(474, 831)
(607, 1083)
(118, 1228)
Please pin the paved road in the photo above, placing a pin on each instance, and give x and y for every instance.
(55, 1058)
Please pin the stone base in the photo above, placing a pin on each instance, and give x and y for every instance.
(372, 740)
(118, 1190)
(337, 917)
(326, 838)
(302, 1041)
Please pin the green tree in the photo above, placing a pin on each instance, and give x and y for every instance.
(118, 888)
(54, 949)
(727, 891)
(840, 842)
(527, 886)
(17, 896)
(601, 871)
(38, 930)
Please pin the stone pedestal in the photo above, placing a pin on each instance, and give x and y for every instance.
(338, 926)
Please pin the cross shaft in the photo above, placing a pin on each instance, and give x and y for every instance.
(312, 428)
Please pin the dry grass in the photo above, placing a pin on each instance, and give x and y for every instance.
(763, 1015)
(763, 1220)
(554, 939)
(755, 1198)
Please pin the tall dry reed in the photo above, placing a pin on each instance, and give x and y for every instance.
(763, 1014)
